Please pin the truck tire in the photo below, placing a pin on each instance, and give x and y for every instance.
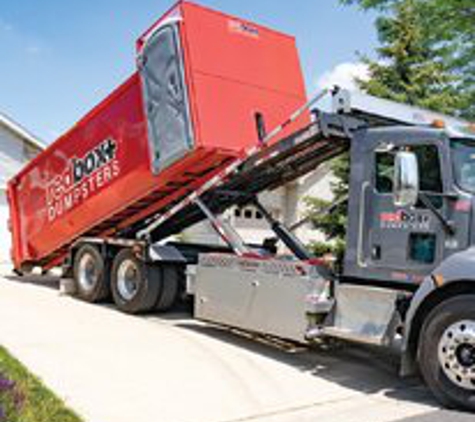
(170, 288)
(447, 352)
(90, 275)
(135, 285)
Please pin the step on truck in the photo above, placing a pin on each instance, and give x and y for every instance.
(202, 126)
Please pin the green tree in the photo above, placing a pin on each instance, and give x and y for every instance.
(410, 68)
(330, 217)
(449, 24)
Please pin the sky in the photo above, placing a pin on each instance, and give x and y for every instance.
(59, 58)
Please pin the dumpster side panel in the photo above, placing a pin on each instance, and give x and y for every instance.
(17, 245)
(94, 172)
(94, 169)
(239, 70)
(235, 69)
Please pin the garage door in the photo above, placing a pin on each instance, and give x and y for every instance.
(4, 233)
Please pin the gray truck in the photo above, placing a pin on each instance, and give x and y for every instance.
(407, 279)
(408, 275)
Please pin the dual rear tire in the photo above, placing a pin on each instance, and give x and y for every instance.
(135, 286)
(138, 287)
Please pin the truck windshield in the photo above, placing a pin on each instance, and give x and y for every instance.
(463, 157)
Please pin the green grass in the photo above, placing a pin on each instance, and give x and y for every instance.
(27, 399)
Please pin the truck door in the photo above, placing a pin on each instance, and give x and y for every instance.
(401, 243)
(165, 95)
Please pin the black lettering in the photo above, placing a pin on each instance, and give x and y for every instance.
(109, 148)
(101, 156)
(78, 171)
(90, 163)
(93, 160)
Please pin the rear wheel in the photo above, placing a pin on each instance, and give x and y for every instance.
(170, 277)
(90, 275)
(447, 352)
(135, 286)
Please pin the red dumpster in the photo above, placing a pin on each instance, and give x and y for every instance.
(205, 84)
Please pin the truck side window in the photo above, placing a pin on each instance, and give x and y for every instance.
(384, 172)
(430, 178)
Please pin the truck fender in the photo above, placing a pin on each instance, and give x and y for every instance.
(165, 253)
(455, 275)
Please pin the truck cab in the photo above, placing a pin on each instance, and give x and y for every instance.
(411, 230)
(401, 231)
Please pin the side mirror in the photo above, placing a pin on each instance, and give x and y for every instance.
(406, 179)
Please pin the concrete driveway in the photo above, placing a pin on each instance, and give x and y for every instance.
(112, 367)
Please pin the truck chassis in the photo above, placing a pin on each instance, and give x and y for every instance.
(300, 300)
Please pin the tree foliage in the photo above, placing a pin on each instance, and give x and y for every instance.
(330, 217)
(449, 26)
(412, 67)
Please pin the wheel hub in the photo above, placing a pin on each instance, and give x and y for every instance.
(128, 281)
(457, 354)
(466, 355)
(88, 273)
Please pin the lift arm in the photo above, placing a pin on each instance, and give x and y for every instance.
(284, 234)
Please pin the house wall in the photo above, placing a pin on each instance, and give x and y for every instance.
(316, 185)
(286, 204)
(15, 152)
(12, 155)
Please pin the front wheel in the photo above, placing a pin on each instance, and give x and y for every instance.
(447, 352)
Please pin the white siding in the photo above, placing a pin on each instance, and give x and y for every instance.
(12, 155)
(15, 152)
(252, 229)
(316, 185)
(286, 204)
